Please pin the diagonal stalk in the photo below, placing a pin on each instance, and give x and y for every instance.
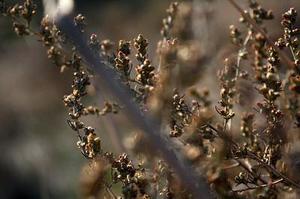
(151, 128)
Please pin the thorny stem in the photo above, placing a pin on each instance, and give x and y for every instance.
(283, 56)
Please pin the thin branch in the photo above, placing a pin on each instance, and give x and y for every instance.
(231, 166)
(251, 155)
(242, 50)
(110, 192)
(260, 186)
(273, 170)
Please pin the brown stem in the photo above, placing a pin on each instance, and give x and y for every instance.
(260, 186)
(273, 170)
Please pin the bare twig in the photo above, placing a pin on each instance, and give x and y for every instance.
(239, 57)
(260, 186)
(110, 192)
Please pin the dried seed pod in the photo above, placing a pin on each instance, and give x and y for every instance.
(169, 21)
(80, 22)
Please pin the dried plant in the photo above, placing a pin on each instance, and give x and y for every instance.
(196, 151)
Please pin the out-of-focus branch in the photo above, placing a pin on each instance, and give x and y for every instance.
(109, 79)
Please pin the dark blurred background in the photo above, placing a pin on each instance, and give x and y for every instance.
(39, 157)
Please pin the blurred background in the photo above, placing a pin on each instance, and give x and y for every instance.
(39, 155)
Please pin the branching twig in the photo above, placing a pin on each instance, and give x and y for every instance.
(284, 58)
(227, 139)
